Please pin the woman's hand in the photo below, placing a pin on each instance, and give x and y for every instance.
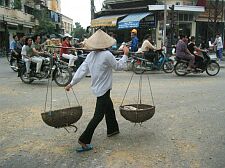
(67, 88)
(126, 50)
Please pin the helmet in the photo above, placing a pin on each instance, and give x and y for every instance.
(134, 31)
(67, 35)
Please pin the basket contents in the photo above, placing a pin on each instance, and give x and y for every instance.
(138, 113)
(131, 108)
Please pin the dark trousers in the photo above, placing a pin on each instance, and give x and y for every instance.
(104, 107)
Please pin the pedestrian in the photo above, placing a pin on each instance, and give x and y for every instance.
(100, 64)
(219, 47)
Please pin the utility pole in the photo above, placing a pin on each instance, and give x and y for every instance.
(92, 9)
(164, 23)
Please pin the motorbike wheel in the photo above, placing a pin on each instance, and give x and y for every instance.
(137, 67)
(8, 56)
(14, 65)
(168, 67)
(63, 77)
(181, 69)
(212, 69)
(24, 78)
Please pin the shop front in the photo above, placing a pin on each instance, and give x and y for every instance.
(121, 25)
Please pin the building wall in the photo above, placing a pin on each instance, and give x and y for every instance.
(67, 24)
(54, 5)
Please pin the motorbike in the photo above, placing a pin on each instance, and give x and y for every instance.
(79, 61)
(51, 68)
(13, 61)
(140, 64)
(207, 64)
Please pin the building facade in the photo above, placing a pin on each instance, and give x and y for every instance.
(67, 25)
(21, 17)
(14, 19)
(187, 17)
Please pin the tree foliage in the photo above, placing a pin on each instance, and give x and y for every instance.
(78, 31)
(46, 26)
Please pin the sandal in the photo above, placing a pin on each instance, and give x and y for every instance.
(83, 149)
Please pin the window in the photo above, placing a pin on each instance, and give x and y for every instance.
(7, 3)
(1, 3)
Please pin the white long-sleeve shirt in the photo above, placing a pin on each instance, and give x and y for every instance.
(100, 65)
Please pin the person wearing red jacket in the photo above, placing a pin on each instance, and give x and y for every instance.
(64, 52)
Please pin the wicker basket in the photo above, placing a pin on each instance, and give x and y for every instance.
(142, 113)
(62, 117)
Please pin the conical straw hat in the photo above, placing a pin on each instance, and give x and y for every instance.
(99, 40)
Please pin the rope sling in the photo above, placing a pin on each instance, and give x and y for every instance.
(142, 112)
(60, 118)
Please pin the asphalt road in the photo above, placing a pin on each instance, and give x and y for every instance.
(187, 130)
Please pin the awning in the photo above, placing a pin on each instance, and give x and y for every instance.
(12, 24)
(109, 21)
(132, 20)
(28, 26)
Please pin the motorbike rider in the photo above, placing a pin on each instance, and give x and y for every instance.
(13, 49)
(37, 52)
(27, 53)
(148, 49)
(182, 52)
(192, 48)
(64, 52)
(134, 41)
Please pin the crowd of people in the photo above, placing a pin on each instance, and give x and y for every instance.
(32, 50)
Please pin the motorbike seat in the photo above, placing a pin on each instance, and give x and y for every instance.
(181, 59)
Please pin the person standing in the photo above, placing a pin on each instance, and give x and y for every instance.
(101, 84)
(134, 41)
(219, 47)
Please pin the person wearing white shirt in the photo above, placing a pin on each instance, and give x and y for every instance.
(219, 46)
(26, 53)
(99, 64)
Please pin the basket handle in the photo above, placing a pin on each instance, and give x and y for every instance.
(74, 96)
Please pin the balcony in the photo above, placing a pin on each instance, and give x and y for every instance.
(16, 16)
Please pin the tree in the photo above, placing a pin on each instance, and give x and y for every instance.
(78, 31)
(46, 26)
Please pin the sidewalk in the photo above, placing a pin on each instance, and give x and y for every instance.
(222, 64)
